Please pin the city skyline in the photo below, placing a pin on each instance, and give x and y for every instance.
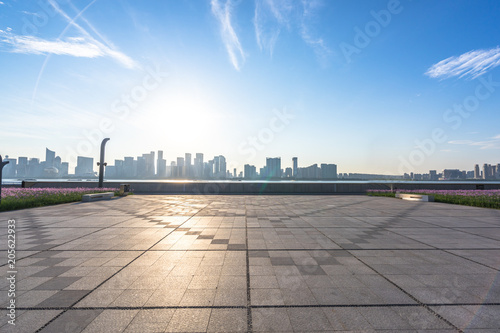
(147, 166)
(385, 86)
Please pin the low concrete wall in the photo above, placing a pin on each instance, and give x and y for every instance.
(270, 188)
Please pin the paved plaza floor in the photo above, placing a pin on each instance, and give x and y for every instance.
(166, 263)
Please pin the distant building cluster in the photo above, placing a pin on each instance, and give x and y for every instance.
(487, 172)
(273, 170)
(23, 167)
(182, 168)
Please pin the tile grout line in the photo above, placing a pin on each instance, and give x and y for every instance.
(381, 305)
(249, 298)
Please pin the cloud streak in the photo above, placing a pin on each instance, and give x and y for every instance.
(493, 143)
(273, 16)
(223, 14)
(270, 17)
(84, 46)
(471, 64)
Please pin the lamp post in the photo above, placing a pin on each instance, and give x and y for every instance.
(101, 164)
(2, 164)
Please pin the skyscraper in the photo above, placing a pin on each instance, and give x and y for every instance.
(295, 166)
(188, 167)
(49, 157)
(180, 167)
(198, 165)
(273, 167)
(84, 166)
(22, 167)
(250, 171)
(477, 172)
(328, 171)
(223, 167)
(161, 165)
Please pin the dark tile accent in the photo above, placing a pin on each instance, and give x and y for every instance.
(220, 241)
(41, 247)
(46, 254)
(236, 246)
(57, 283)
(258, 254)
(193, 232)
(73, 321)
(205, 236)
(282, 261)
(326, 261)
(49, 262)
(339, 253)
(64, 298)
(310, 270)
(53, 271)
(183, 229)
(350, 246)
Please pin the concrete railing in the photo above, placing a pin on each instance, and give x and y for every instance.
(261, 187)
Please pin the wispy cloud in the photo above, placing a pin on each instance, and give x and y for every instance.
(273, 16)
(492, 143)
(223, 14)
(471, 64)
(270, 17)
(82, 46)
(310, 9)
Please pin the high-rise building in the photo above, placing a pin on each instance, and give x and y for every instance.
(288, 173)
(216, 166)
(64, 170)
(49, 157)
(161, 165)
(198, 165)
(310, 172)
(328, 171)
(180, 168)
(129, 171)
(22, 167)
(250, 171)
(295, 166)
(209, 168)
(34, 168)
(433, 175)
(188, 168)
(486, 171)
(9, 170)
(452, 174)
(477, 172)
(141, 167)
(223, 167)
(84, 166)
(119, 171)
(148, 166)
(273, 167)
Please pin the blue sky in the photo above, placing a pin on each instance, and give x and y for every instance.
(373, 86)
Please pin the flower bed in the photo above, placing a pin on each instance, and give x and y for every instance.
(19, 198)
(476, 198)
